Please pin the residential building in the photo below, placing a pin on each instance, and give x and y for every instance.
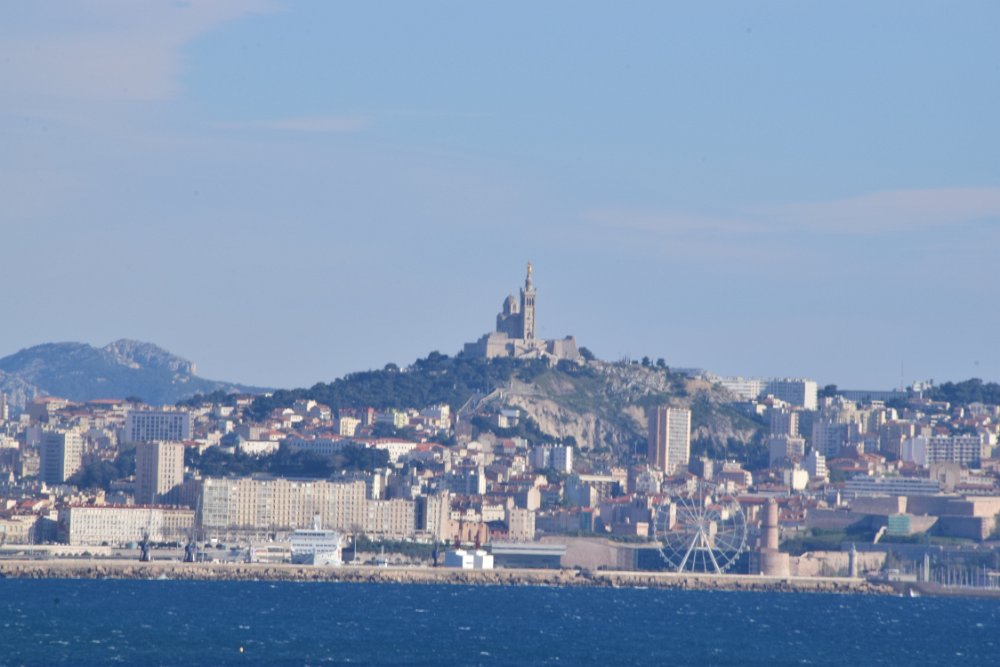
(744, 389)
(798, 392)
(520, 524)
(251, 505)
(883, 485)
(554, 457)
(966, 450)
(432, 515)
(785, 448)
(61, 455)
(159, 468)
(669, 438)
(784, 422)
(815, 464)
(562, 459)
(118, 526)
(348, 426)
(390, 519)
(149, 425)
(829, 437)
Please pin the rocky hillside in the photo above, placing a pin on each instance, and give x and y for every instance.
(601, 406)
(604, 406)
(124, 368)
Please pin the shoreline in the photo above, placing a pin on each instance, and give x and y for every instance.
(72, 568)
(174, 570)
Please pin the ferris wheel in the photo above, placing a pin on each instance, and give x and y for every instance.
(700, 530)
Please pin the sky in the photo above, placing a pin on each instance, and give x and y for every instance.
(285, 192)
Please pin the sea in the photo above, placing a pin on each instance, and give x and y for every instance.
(108, 622)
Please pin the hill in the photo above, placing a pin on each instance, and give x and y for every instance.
(599, 406)
(81, 372)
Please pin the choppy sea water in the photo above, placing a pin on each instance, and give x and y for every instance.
(60, 622)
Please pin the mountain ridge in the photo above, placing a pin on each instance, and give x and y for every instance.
(125, 367)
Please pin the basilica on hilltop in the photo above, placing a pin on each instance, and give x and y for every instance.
(515, 333)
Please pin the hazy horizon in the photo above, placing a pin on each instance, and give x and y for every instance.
(286, 193)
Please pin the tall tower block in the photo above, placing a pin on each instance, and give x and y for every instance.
(669, 438)
(528, 308)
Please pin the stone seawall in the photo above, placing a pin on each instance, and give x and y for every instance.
(120, 569)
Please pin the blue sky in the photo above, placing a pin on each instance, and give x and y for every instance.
(285, 192)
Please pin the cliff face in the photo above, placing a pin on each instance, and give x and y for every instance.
(136, 354)
(605, 405)
(18, 391)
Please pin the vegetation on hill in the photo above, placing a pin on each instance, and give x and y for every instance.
(285, 462)
(100, 474)
(963, 393)
(435, 380)
(597, 406)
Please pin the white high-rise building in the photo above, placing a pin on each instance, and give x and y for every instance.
(61, 455)
(159, 467)
(802, 393)
(541, 457)
(966, 450)
(815, 465)
(150, 425)
(784, 422)
(669, 438)
(555, 457)
(744, 389)
(829, 437)
(797, 392)
(785, 449)
(562, 459)
(115, 525)
(248, 505)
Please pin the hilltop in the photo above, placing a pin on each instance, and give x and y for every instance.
(597, 405)
(81, 372)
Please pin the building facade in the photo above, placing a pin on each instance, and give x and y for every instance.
(250, 505)
(149, 425)
(669, 438)
(966, 450)
(118, 526)
(159, 468)
(255, 506)
(798, 392)
(60, 455)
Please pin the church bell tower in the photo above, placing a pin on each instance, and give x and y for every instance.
(528, 308)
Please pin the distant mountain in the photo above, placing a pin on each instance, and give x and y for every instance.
(124, 368)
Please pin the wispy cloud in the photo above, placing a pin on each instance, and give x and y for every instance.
(649, 221)
(895, 211)
(890, 211)
(104, 50)
(322, 124)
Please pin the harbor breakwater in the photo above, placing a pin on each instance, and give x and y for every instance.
(123, 569)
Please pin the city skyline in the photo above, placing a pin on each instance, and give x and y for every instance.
(773, 191)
